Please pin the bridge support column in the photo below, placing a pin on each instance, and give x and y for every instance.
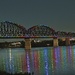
(67, 41)
(28, 44)
(55, 42)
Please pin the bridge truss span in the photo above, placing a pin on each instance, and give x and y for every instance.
(9, 29)
(40, 30)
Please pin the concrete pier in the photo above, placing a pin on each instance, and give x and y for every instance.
(67, 41)
(28, 44)
(55, 42)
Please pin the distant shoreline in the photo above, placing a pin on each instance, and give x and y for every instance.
(45, 43)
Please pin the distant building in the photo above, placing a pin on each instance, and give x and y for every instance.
(15, 44)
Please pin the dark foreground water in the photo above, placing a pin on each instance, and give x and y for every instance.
(41, 61)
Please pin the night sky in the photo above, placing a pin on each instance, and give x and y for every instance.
(57, 14)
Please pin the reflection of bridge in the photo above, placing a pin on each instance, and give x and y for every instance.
(12, 30)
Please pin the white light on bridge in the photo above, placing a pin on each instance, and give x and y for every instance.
(36, 40)
(72, 39)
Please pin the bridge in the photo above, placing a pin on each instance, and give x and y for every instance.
(12, 30)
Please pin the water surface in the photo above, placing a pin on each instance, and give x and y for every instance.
(41, 61)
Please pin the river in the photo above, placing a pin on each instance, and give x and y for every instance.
(42, 60)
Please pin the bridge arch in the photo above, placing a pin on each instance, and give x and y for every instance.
(40, 30)
(11, 29)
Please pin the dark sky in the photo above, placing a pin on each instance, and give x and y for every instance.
(58, 14)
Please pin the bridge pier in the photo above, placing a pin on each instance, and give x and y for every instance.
(28, 44)
(55, 42)
(67, 40)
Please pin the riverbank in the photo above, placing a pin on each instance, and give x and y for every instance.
(5, 73)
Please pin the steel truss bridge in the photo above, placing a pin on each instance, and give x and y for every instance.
(13, 30)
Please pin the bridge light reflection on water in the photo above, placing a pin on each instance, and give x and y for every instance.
(41, 61)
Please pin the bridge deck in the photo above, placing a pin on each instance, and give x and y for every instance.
(11, 37)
